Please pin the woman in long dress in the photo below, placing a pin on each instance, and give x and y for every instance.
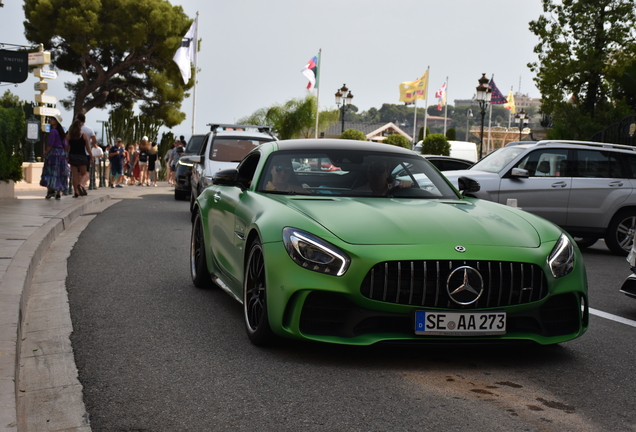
(55, 171)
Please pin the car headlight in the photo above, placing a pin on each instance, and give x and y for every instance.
(185, 163)
(561, 259)
(313, 253)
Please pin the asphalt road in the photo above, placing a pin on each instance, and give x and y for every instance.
(156, 354)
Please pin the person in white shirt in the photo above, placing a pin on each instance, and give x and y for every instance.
(90, 133)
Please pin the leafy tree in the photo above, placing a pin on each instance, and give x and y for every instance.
(121, 50)
(451, 134)
(583, 47)
(397, 140)
(436, 144)
(293, 119)
(352, 134)
(12, 130)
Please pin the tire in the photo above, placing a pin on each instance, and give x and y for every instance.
(585, 242)
(620, 233)
(198, 265)
(180, 195)
(193, 198)
(255, 298)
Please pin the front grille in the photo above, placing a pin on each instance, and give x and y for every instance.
(423, 283)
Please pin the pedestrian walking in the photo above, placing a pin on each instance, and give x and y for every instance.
(78, 149)
(116, 159)
(144, 147)
(168, 159)
(92, 138)
(55, 171)
(154, 165)
(132, 166)
(96, 156)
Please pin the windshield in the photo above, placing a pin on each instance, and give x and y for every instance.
(194, 144)
(233, 149)
(497, 160)
(353, 173)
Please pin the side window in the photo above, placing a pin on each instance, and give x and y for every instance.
(631, 164)
(545, 163)
(598, 164)
(247, 168)
(204, 145)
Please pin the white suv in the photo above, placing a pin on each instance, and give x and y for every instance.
(223, 147)
(586, 188)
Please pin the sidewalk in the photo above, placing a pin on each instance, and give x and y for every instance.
(45, 372)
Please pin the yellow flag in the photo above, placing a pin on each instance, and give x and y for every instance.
(511, 103)
(411, 90)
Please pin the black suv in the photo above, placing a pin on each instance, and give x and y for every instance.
(184, 169)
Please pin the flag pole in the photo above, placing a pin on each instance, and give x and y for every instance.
(318, 92)
(414, 141)
(196, 56)
(509, 112)
(428, 69)
(445, 106)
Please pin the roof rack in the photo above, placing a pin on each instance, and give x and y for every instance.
(239, 127)
(588, 143)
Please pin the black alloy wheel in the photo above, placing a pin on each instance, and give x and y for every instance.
(255, 297)
(198, 266)
(620, 233)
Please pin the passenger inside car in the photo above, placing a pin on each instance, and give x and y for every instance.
(379, 181)
(282, 179)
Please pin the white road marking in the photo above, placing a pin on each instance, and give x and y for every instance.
(613, 317)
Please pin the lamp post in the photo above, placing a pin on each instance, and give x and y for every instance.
(343, 98)
(469, 115)
(521, 119)
(484, 93)
(102, 163)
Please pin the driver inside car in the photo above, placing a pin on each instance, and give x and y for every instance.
(379, 181)
(281, 176)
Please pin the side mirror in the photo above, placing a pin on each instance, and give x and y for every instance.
(193, 158)
(519, 172)
(226, 177)
(467, 184)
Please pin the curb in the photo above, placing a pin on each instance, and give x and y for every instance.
(15, 287)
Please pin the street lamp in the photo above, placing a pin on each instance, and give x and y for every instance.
(522, 120)
(469, 115)
(484, 93)
(343, 97)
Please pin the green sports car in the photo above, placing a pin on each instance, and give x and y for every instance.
(355, 243)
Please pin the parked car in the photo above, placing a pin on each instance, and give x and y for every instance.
(223, 147)
(447, 163)
(458, 149)
(183, 173)
(629, 285)
(586, 188)
(328, 256)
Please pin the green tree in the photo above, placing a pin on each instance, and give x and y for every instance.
(12, 130)
(583, 47)
(436, 144)
(397, 140)
(352, 134)
(121, 50)
(451, 134)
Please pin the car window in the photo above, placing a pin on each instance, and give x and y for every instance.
(194, 144)
(631, 164)
(498, 160)
(598, 164)
(232, 149)
(247, 168)
(545, 163)
(353, 173)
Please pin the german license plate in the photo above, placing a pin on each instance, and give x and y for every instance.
(460, 323)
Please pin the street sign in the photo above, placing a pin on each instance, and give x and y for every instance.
(39, 58)
(41, 86)
(45, 99)
(14, 66)
(45, 73)
(45, 111)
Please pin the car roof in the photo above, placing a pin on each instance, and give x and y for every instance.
(340, 144)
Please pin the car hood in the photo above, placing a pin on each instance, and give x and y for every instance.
(387, 221)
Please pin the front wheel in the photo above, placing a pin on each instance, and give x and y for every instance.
(620, 233)
(198, 265)
(585, 242)
(255, 297)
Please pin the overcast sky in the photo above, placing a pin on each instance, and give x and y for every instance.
(252, 51)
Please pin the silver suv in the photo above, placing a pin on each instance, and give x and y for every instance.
(586, 188)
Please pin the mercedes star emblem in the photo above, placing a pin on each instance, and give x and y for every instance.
(465, 285)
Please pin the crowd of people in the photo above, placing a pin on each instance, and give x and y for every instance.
(70, 155)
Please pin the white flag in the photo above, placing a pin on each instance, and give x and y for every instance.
(187, 52)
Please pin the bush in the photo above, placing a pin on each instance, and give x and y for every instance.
(352, 134)
(436, 144)
(451, 134)
(397, 140)
(12, 129)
